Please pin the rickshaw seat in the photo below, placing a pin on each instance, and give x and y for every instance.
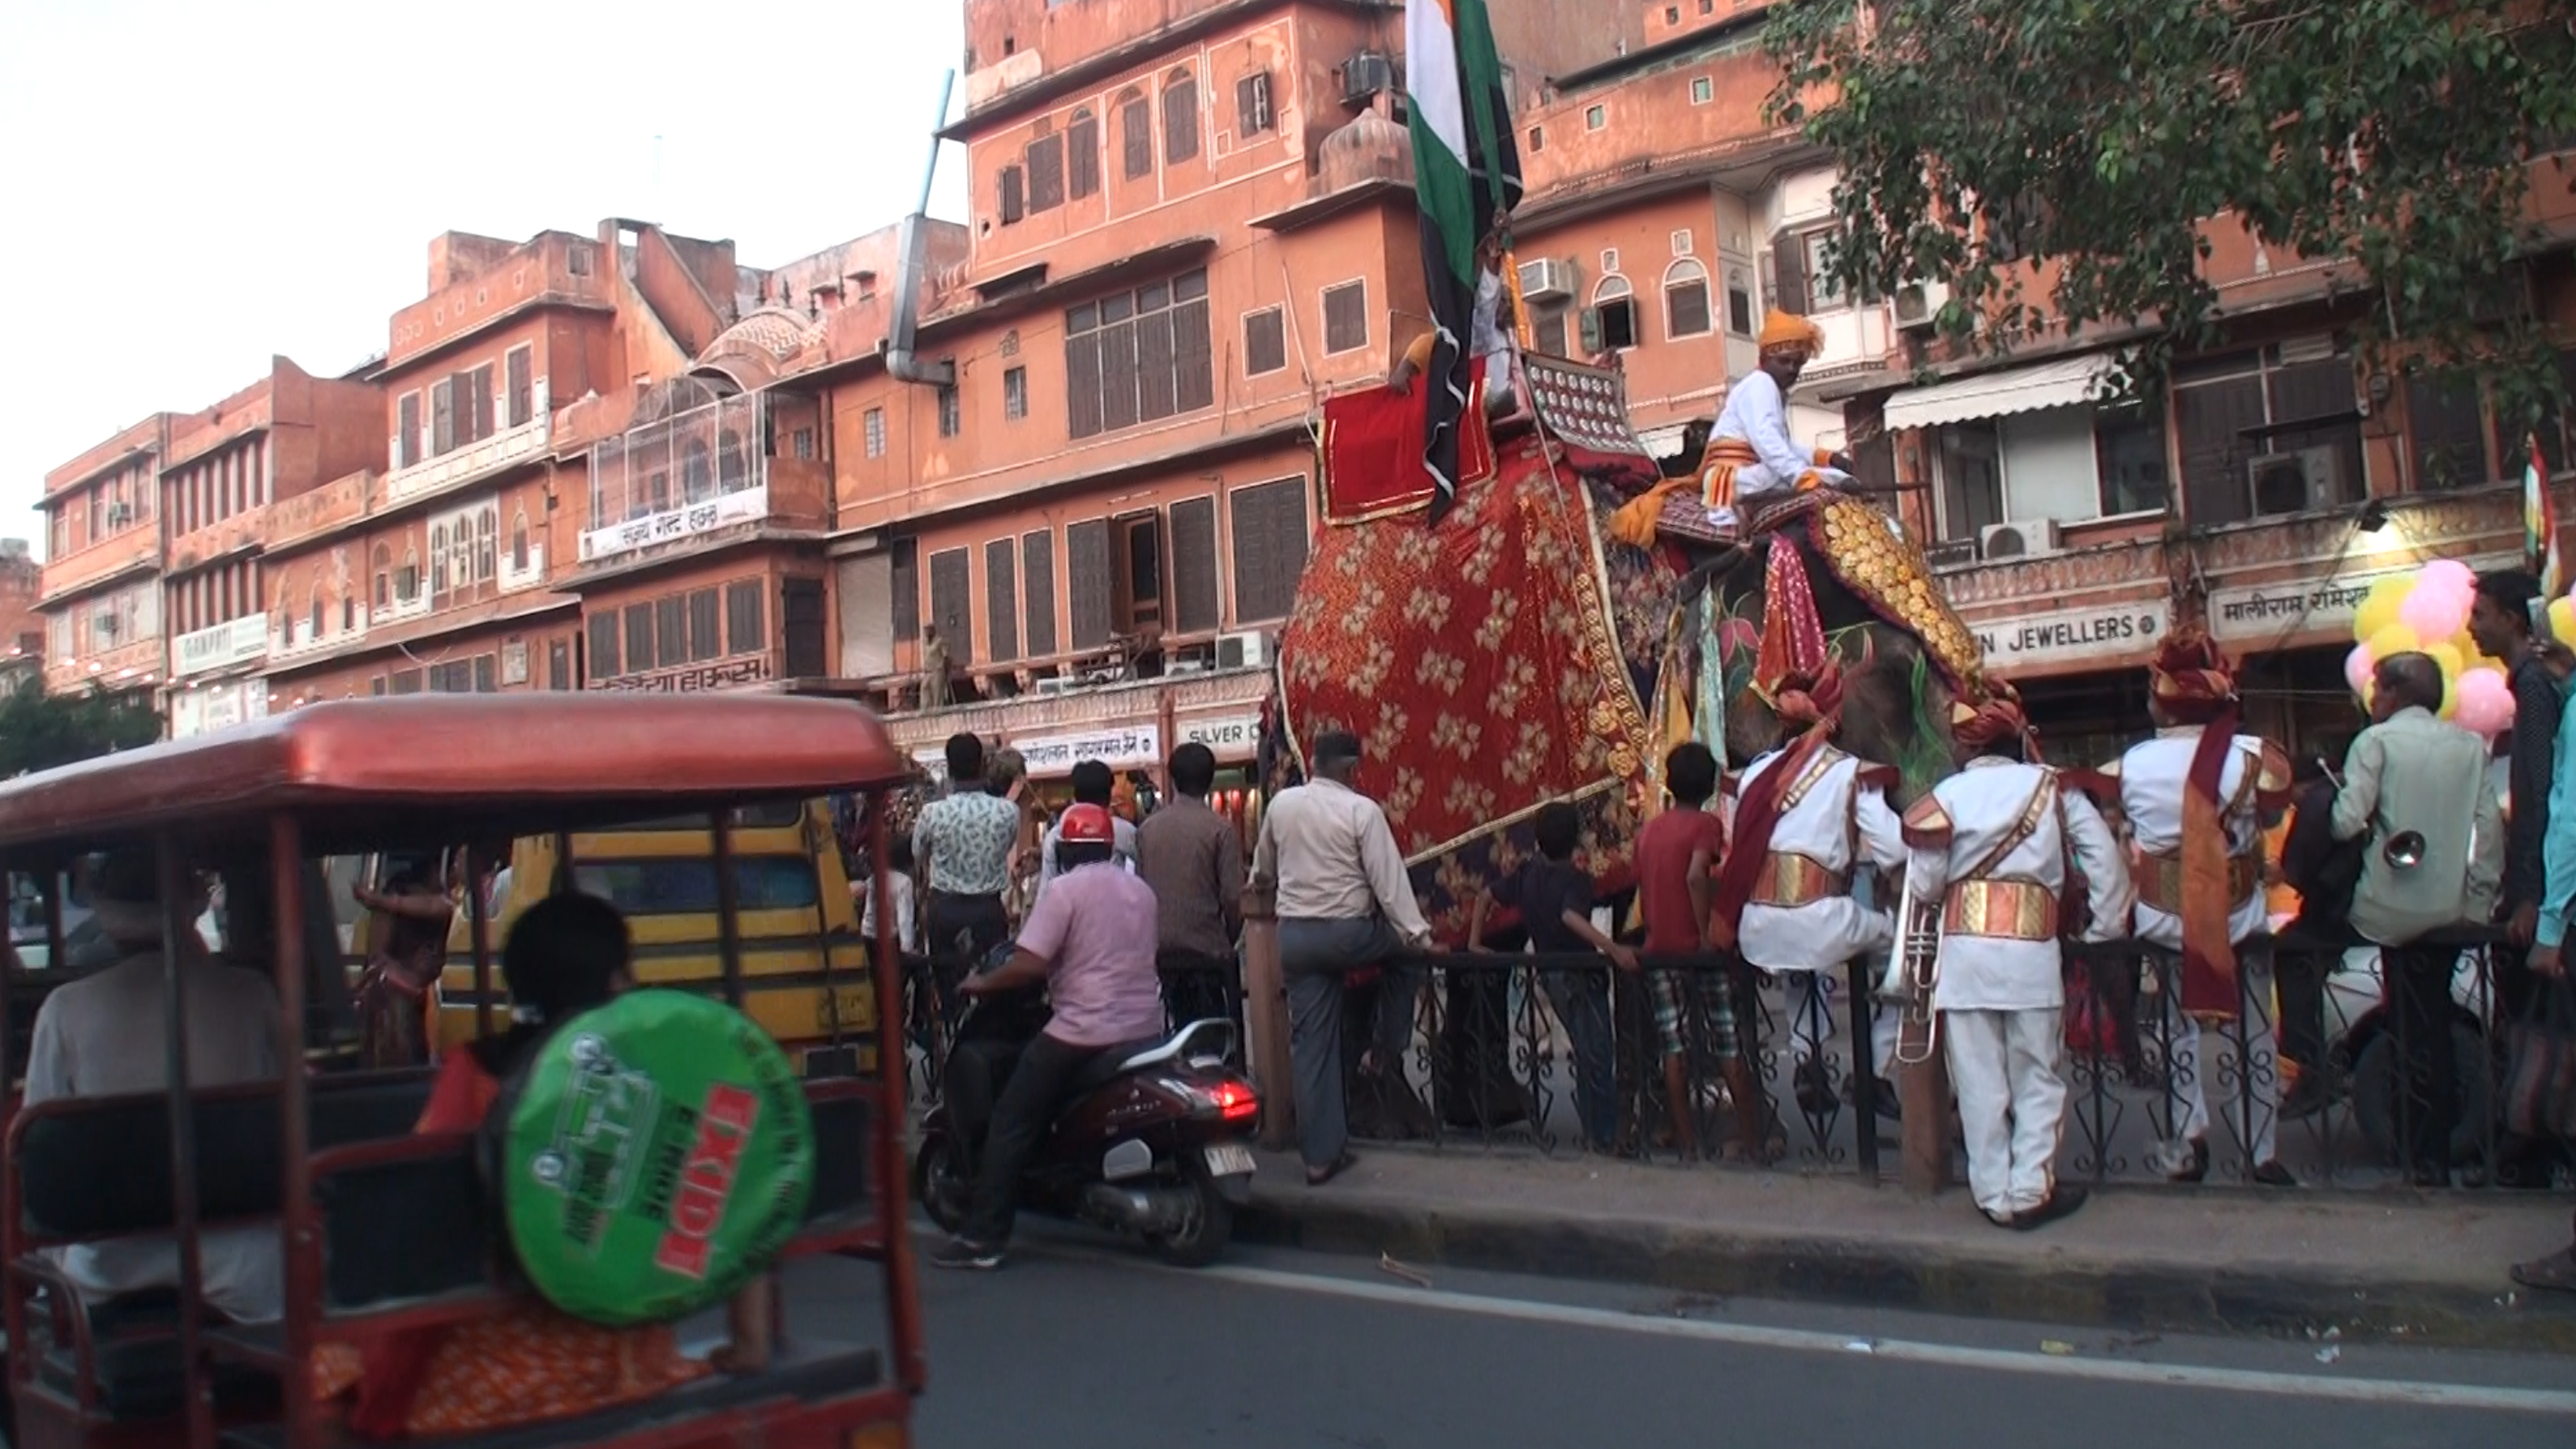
(803, 1369)
(100, 1167)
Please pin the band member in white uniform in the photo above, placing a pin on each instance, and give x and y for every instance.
(1991, 844)
(2241, 781)
(1828, 816)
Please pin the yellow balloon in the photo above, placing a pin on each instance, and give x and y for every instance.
(2369, 688)
(2447, 655)
(2376, 613)
(2562, 620)
(2450, 694)
(2392, 639)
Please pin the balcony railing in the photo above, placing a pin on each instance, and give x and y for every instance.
(477, 460)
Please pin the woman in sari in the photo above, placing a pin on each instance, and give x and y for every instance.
(398, 995)
(534, 1362)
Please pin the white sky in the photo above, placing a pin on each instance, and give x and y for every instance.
(190, 186)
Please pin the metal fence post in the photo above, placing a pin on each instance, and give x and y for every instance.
(1265, 1017)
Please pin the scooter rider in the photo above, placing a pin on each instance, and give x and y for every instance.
(1091, 939)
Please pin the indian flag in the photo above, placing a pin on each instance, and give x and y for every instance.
(1466, 174)
(2540, 524)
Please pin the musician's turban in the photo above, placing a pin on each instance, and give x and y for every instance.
(2190, 679)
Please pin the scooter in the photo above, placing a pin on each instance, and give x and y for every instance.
(1155, 1141)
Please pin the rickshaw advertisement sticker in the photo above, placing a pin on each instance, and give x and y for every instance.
(660, 1152)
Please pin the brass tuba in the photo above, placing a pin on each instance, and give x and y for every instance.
(1913, 970)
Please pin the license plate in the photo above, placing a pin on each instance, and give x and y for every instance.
(1228, 1158)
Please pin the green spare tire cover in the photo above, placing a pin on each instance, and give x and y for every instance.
(654, 1154)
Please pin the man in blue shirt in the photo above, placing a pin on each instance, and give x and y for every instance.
(2549, 932)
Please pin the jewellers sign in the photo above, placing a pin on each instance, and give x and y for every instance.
(1228, 736)
(2105, 633)
(237, 641)
(717, 512)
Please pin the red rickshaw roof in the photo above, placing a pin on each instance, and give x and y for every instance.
(447, 767)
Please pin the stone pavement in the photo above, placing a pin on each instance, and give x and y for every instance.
(2394, 1264)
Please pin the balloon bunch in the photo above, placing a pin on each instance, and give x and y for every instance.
(2427, 612)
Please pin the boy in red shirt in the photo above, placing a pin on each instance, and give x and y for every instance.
(1677, 856)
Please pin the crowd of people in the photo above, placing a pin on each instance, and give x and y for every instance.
(2237, 878)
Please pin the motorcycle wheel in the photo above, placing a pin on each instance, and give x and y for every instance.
(940, 1182)
(1201, 1238)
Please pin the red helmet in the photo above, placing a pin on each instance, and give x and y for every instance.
(1086, 825)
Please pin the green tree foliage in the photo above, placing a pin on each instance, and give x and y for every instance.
(39, 731)
(2096, 134)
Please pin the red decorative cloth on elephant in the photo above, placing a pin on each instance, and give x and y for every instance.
(2191, 684)
(1485, 664)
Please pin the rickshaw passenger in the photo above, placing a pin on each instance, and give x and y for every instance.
(102, 1036)
(566, 954)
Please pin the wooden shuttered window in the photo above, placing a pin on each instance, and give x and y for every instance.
(1087, 567)
(1196, 608)
(1136, 136)
(951, 610)
(1270, 544)
(1001, 601)
(1037, 587)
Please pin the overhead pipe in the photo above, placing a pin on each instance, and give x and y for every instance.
(910, 266)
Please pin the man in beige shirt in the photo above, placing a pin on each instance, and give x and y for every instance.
(1344, 903)
(2411, 774)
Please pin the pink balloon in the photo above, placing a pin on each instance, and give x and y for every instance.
(2485, 702)
(2451, 575)
(2433, 611)
(2357, 667)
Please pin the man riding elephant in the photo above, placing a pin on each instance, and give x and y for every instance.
(1838, 577)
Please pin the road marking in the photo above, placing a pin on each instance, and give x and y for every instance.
(2245, 1381)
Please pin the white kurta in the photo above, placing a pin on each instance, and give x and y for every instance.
(1827, 821)
(2153, 777)
(1984, 803)
(1757, 414)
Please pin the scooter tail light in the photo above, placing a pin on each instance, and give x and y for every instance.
(1236, 1101)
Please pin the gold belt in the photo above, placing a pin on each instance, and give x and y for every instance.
(2012, 910)
(2159, 879)
(1790, 880)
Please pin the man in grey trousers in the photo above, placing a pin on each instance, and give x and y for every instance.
(1344, 903)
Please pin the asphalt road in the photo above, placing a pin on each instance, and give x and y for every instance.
(1080, 1343)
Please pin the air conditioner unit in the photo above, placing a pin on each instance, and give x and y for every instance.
(2297, 482)
(2019, 538)
(1366, 76)
(1918, 305)
(1546, 280)
(1062, 684)
(1956, 554)
(1242, 651)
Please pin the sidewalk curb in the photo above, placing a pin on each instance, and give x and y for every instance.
(2276, 1301)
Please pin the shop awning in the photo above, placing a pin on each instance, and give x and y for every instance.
(2064, 382)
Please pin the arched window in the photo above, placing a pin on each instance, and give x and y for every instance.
(1082, 154)
(1610, 323)
(438, 560)
(1135, 134)
(407, 582)
(1686, 312)
(384, 561)
(486, 525)
(1739, 302)
(519, 542)
(1180, 117)
(316, 611)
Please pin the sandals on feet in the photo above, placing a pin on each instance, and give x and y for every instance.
(1318, 1176)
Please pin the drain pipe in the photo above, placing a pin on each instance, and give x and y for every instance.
(910, 266)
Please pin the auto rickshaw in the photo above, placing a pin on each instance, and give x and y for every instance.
(381, 1229)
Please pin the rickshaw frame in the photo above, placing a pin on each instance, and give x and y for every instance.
(443, 769)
